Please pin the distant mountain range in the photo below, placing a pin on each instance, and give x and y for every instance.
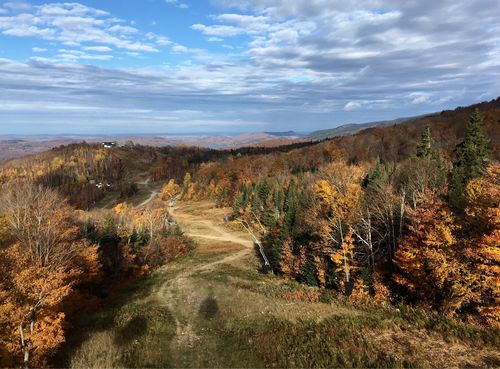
(284, 134)
(349, 129)
(17, 146)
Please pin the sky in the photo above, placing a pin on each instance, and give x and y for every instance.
(228, 66)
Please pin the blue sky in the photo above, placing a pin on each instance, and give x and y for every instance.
(172, 66)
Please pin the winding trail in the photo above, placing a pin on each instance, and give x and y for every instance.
(151, 197)
(181, 316)
(204, 232)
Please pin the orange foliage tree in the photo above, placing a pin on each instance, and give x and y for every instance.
(429, 260)
(482, 246)
(42, 268)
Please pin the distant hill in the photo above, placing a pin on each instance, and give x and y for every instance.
(349, 129)
(18, 146)
(284, 134)
(393, 142)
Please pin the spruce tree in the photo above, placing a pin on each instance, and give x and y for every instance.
(290, 210)
(472, 158)
(375, 174)
(425, 147)
(308, 273)
(279, 200)
(256, 202)
(269, 218)
(473, 153)
(239, 203)
(263, 191)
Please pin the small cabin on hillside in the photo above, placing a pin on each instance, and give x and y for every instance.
(109, 144)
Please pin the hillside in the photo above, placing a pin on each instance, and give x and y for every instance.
(448, 125)
(399, 140)
(383, 248)
(19, 146)
(349, 129)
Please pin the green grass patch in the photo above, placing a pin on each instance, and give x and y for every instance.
(277, 343)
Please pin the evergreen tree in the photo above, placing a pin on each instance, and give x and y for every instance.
(110, 250)
(425, 147)
(269, 217)
(263, 191)
(256, 202)
(471, 162)
(279, 201)
(134, 239)
(375, 174)
(290, 210)
(308, 273)
(427, 150)
(239, 203)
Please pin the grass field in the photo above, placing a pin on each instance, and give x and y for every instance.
(213, 308)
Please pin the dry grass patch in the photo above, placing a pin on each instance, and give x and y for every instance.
(218, 247)
(431, 351)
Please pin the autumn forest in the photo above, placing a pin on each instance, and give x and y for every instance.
(399, 217)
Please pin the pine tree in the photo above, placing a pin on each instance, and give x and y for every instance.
(424, 147)
(471, 162)
(256, 202)
(239, 204)
(375, 174)
(269, 218)
(290, 210)
(427, 150)
(263, 191)
(308, 273)
(279, 201)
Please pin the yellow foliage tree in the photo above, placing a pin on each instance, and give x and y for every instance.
(482, 248)
(338, 200)
(170, 190)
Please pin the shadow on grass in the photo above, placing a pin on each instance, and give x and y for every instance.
(126, 320)
(133, 330)
(209, 308)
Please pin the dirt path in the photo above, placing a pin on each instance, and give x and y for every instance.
(186, 314)
(151, 198)
(205, 230)
(154, 193)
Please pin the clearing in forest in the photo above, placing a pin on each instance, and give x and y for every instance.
(213, 308)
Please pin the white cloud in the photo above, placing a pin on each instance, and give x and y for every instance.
(75, 55)
(17, 5)
(179, 49)
(39, 50)
(352, 105)
(124, 30)
(294, 61)
(218, 30)
(177, 3)
(419, 98)
(100, 49)
(72, 24)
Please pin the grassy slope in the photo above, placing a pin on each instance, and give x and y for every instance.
(201, 312)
